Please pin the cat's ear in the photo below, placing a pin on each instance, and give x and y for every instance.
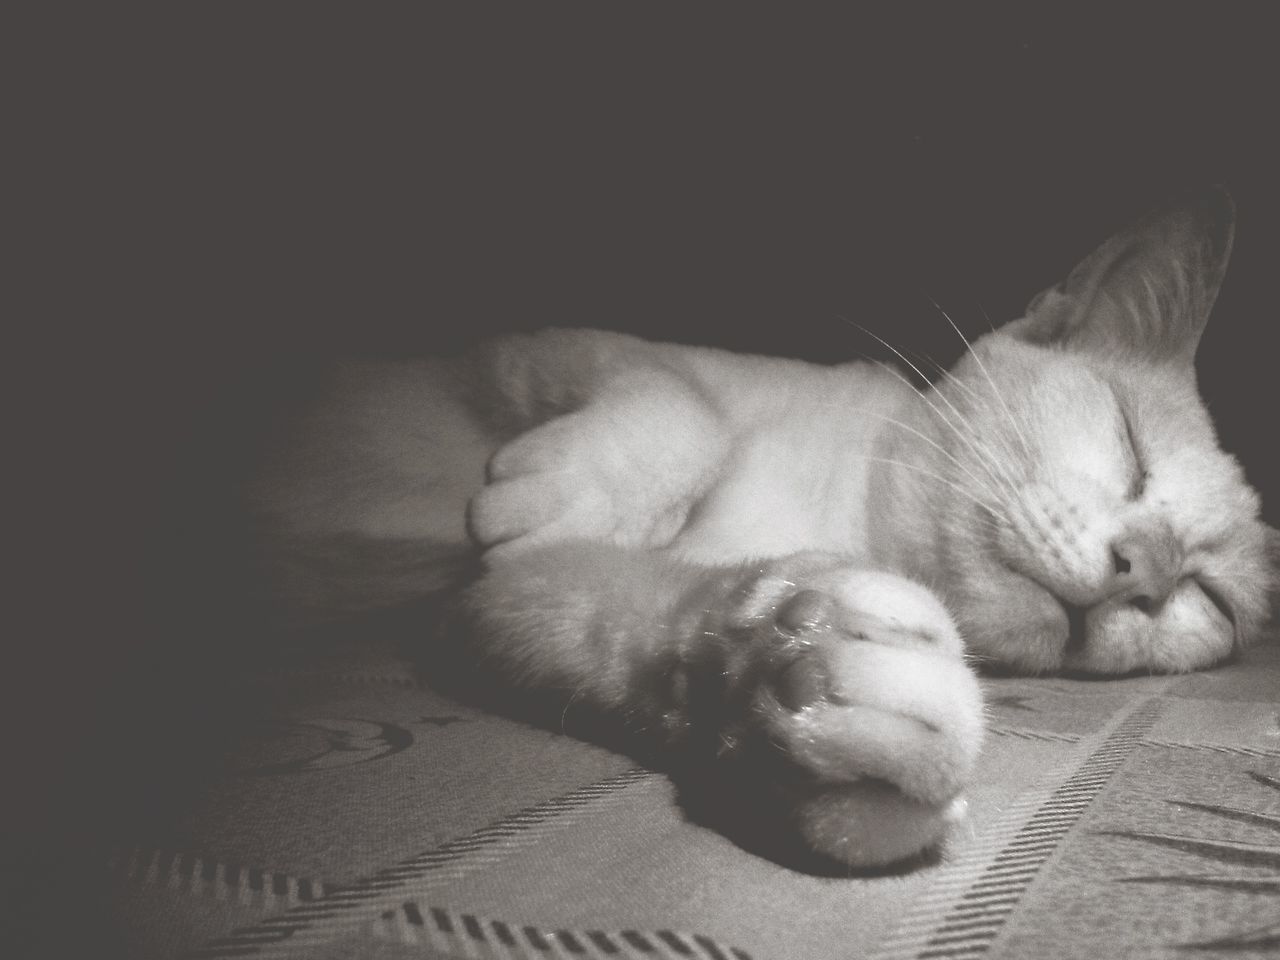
(1148, 290)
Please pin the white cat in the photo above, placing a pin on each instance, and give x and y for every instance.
(771, 565)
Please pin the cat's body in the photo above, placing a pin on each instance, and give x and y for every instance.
(773, 562)
(697, 437)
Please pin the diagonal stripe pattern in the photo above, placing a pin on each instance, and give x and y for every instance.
(976, 915)
(345, 908)
(468, 935)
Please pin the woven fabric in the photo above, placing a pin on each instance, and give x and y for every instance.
(365, 815)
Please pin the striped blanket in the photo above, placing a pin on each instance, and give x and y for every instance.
(357, 813)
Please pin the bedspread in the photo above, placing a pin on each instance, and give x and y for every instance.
(359, 813)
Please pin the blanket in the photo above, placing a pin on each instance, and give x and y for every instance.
(354, 811)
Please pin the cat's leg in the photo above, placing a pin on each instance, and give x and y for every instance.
(835, 698)
(624, 467)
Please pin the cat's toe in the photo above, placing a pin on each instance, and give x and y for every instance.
(886, 738)
(879, 718)
(853, 709)
(872, 824)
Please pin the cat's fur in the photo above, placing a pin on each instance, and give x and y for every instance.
(775, 562)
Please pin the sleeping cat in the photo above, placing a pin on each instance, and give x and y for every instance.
(786, 570)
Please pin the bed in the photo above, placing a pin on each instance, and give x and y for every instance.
(354, 811)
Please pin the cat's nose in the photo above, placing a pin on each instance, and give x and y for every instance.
(1146, 566)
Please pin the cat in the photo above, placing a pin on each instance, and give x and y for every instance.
(789, 571)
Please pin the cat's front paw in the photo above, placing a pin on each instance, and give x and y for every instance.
(541, 488)
(856, 706)
(577, 477)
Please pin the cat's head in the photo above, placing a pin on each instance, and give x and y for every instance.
(1097, 525)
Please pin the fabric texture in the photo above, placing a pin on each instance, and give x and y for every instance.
(359, 813)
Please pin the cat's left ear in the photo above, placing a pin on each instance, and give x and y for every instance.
(1148, 290)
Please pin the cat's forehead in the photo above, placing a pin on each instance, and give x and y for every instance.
(1052, 369)
(1038, 378)
(1071, 396)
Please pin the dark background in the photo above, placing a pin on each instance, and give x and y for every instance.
(220, 188)
(266, 182)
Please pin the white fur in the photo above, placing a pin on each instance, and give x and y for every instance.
(648, 511)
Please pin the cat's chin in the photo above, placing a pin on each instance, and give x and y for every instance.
(1187, 633)
(1037, 634)
(871, 823)
(1011, 622)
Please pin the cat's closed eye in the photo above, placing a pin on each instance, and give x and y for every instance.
(1216, 597)
(1139, 474)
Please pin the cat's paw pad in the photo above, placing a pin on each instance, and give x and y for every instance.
(858, 680)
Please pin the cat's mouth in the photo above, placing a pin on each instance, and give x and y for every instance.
(1075, 652)
(1077, 627)
(1074, 634)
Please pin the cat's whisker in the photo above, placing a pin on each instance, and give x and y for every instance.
(1013, 421)
(889, 368)
(994, 486)
(983, 367)
(564, 714)
(950, 376)
(1000, 442)
(987, 317)
(969, 436)
(974, 396)
(985, 487)
(943, 480)
(995, 451)
(973, 434)
(1000, 486)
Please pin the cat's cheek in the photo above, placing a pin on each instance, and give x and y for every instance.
(1194, 633)
(886, 756)
(1013, 621)
(908, 717)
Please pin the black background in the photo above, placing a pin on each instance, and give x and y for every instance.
(219, 188)
(271, 181)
